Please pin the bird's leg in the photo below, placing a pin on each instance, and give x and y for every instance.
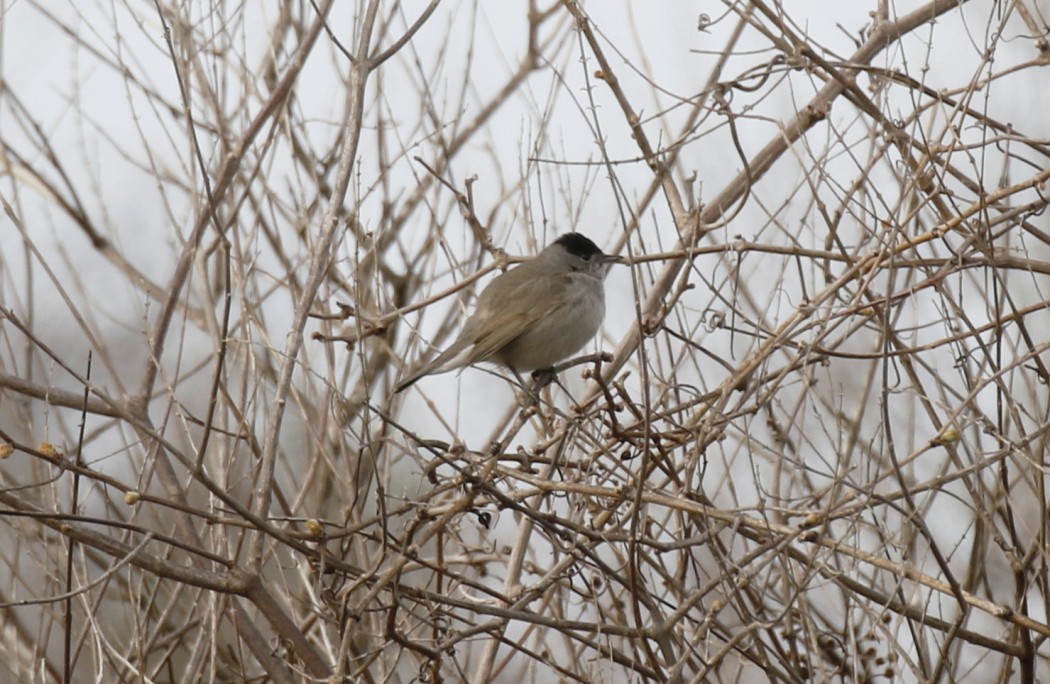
(540, 379)
(543, 377)
(532, 398)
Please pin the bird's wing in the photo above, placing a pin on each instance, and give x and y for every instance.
(501, 329)
(476, 343)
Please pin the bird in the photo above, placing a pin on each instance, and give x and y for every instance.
(535, 315)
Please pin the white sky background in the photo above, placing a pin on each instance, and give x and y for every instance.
(114, 141)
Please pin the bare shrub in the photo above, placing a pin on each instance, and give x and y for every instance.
(815, 447)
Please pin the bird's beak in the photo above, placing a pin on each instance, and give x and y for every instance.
(613, 259)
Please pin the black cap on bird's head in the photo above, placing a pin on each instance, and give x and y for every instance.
(578, 245)
(581, 246)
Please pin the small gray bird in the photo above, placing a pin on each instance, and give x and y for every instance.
(535, 315)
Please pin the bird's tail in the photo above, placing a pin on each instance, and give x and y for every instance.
(452, 358)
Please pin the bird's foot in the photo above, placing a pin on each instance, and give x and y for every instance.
(540, 379)
(543, 377)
